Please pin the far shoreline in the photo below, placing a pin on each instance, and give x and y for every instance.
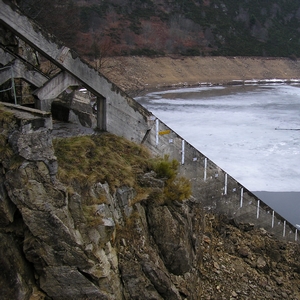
(149, 90)
(137, 74)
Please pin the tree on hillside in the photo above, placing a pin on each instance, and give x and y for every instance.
(60, 18)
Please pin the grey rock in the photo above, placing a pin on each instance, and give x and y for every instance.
(16, 277)
(55, 281)
(170, 232)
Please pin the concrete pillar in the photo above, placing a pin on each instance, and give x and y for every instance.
(101, 113)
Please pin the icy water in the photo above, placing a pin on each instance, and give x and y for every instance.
(251, 131)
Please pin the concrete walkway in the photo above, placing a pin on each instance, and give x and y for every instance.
(64, 130)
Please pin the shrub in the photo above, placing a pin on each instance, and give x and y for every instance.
(165, 168)
(176, 188)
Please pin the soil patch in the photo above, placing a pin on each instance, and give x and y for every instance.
(134, 74)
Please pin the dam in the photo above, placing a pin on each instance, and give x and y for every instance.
(107, 108)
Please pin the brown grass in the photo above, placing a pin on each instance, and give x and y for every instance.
(102, 158)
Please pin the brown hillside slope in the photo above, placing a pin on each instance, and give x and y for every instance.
(139, 73)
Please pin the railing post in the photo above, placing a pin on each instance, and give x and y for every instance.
(13, 85)
(182, 151)
(273, 215)
(225, 184)
(242, 197)
(257, 210)
(205, 168)
(156, 131)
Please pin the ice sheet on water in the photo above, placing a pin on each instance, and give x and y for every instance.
(248, 131)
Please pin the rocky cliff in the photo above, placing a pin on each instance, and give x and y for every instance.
(86, 235)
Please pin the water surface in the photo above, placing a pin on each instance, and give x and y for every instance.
(250, 131)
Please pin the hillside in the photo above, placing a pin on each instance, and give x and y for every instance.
(158, 27)
(136, 74)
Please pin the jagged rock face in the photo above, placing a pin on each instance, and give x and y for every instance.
(172, 225)
(109, 253)
(16, 274)
(57, 245)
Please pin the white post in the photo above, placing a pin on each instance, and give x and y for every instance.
(182, 151)
(273, 215)
(257, 211)
(242, 197)
(284, 224)
(205, 168)
(156, 131)
(296, 235)
(225, 186)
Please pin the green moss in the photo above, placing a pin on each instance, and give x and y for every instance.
(5, 150)
(7, 119)
(7, 123)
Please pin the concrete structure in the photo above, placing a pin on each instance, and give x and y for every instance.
(109, 108)
(19, 70)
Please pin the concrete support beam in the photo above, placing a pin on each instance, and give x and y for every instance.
(19, 70)
(5, 74)
(60, 55)
(53, 88)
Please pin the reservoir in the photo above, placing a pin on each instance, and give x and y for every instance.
(251, 131)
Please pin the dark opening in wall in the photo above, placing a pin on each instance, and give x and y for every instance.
(59, 112)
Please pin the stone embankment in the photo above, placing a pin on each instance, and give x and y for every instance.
(143, 73)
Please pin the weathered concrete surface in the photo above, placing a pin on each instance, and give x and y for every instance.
(19, 70)
(37, 118)
(53, 88)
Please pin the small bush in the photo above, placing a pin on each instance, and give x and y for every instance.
(7, 119)
(84, 161)
(176, 188)
(191, 52)
(165, 168)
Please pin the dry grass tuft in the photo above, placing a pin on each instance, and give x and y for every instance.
(102, 158)
(84, 161)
